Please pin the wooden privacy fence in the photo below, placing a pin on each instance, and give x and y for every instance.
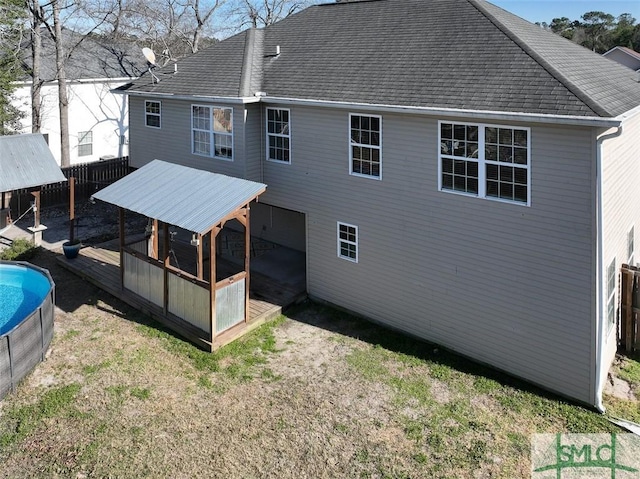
(629, 307)
(90, 177)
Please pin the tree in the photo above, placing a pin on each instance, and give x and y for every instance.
(597, 26)
(36, 14)
(262, 13)
(563, 27)
(63, 98)
(622, 34)
(12, 15)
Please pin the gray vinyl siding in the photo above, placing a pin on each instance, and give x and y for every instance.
(254, 138)
(506, 284)
(172, 142)
(278, 225)
(621, 203)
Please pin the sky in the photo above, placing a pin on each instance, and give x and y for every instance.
(547, 10)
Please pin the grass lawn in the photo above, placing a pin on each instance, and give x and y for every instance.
(315, 394)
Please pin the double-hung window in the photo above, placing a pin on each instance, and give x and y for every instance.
(85, 143)
(348, 242)
(365, 148)
(278, 135)
(212, 131)
(152, 113)
(486, 161)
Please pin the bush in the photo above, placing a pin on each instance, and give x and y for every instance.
(20, 250)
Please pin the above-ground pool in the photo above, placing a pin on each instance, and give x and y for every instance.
(26, 320)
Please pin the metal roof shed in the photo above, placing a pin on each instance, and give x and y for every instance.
(209, 313)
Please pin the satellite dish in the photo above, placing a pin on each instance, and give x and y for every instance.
(149, 55)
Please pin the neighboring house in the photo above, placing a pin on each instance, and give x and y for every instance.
(98, 119)
(451, 170)
(625, 56)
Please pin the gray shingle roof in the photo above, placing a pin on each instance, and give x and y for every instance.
(192, 199)
(462, 54)
(26, 161)
(91, 56)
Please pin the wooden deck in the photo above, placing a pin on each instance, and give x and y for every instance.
(100, 266)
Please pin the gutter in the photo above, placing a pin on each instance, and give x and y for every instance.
(601, 332)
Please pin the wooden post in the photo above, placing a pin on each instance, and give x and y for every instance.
(121, 235)
(633, 325)
(247, 260)
(212, 280)
(165, 265)
(200, 248)
(36, 195)
(627, 313)
(72, 207)
(154, 239)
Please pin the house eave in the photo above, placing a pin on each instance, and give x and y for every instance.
(209, 98)
(573, 120)
(21, 83)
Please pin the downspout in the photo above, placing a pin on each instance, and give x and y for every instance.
(600, 304)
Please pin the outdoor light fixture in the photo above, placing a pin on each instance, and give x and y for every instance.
(194, 240)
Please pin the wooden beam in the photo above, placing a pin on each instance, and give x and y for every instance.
(247, 259)
(122, 242)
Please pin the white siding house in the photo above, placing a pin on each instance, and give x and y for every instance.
(98, 119)
(475, 197)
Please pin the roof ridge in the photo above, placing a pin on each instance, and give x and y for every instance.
(554, 72)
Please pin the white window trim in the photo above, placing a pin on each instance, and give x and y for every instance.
(354, 243)
(482, 180)
(266, 128)
(159, 115)
(212, 133)
(352, 143)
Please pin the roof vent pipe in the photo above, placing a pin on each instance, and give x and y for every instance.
(277, 50)
(175, 67)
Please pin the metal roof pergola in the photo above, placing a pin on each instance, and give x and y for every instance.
(26, 162)
(192, 199)
(197, 201)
